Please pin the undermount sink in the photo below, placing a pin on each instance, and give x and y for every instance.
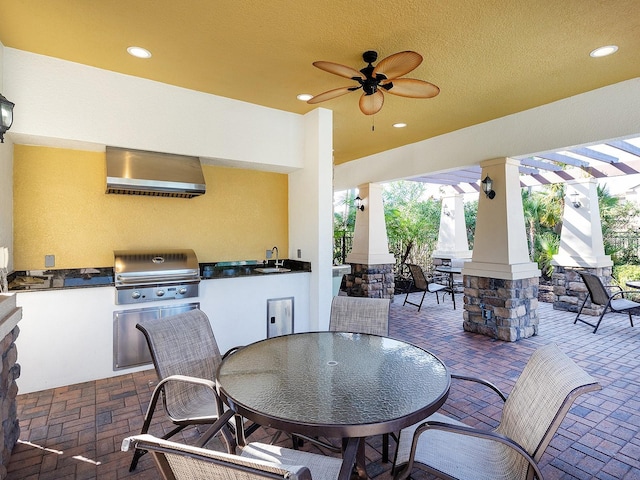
(272, 270)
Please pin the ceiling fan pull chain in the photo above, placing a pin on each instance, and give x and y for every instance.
(373, 123)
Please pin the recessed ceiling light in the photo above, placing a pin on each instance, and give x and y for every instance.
(304, 97)
(139, 52)
(399, 125)
(604, 51)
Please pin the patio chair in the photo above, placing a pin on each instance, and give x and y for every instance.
(537, 405)
(360, 315)
(185, 355)
(599, 295)
(421, 283)
(256, 461)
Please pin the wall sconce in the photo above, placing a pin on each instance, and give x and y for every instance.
(487, 187)
(446, 211)
(6, 116)
(575, 200)
(359, 204)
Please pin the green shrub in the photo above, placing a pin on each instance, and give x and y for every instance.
(624, 273)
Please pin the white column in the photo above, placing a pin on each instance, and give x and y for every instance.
(311, 213)
(581, 243)
(452, 236)
(500, 244)
(370, 241)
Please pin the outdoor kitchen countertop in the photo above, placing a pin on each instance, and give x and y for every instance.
(37, 280)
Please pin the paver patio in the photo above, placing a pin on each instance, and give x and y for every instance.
(75, 432)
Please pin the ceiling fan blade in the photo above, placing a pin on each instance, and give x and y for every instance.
(370, 104)
(398, 64)
(410, 87)
(337, 69)
(336, 92)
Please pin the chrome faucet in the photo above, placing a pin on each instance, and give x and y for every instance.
(278, 263)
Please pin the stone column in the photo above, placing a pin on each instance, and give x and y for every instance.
(371, 263)
(581, 247)
(452, 236)
(500, 282)
(10, 315)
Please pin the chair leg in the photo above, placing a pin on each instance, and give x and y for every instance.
(408, 292)
(600, 319)
(580, 311)
(221, 426)
(422, 300)
(630, 319)
(145, 427)
(594, 325)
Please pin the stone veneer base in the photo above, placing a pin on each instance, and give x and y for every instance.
(10, 315)
(513, 307)
(569, 291)
(373, 281)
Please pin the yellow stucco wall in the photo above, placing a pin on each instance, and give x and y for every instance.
(60, 209)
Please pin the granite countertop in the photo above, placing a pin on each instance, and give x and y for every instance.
(248, 267)
(34, 280)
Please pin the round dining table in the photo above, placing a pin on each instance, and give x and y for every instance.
(334, 385)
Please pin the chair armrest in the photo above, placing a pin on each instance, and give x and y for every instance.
(482, 382)
(622, 293)
(210, 384)
(474, 432)
(132, 442)
(187, 379)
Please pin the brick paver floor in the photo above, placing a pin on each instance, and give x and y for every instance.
(75, 432)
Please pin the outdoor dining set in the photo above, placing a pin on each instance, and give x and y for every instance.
(333, 389)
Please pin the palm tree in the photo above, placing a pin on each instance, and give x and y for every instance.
(531, 207)
(543, 220)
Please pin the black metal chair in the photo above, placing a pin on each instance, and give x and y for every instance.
(421, 283)
(185, 355)
(599, 295)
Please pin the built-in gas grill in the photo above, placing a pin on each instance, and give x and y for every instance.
(151, 275)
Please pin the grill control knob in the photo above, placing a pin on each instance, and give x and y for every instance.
(160, 293)
(182, 290)
(135, 294)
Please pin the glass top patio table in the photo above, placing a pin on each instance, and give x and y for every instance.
(334, 384)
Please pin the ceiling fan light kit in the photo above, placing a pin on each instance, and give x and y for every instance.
(384, 77)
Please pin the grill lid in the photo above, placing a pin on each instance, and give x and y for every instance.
(146, 267)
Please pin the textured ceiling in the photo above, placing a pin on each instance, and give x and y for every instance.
(490, 58)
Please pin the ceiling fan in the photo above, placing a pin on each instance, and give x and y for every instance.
(375, 80)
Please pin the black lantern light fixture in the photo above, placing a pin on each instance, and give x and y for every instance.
(487, 187)
(359, 204)
(6, 116)
(575, 200)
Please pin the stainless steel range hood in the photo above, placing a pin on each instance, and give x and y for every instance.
(138, 172)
